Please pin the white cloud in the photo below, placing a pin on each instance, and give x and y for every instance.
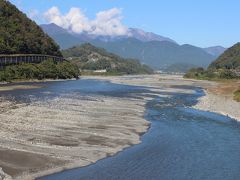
(107, 22)
(77, 21)
(53, 15)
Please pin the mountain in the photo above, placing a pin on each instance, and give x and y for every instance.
(91, 58)
(215, 50)
(147, 36)
(230, 59)
(20, 35)
(64, 38)
(53, 29)
(67, 39)
(159, 54)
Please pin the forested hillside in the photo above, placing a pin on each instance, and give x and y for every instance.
(89, 57)
(20, 35)
(227, 66)
(228, 60)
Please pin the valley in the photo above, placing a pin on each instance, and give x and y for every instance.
(118, 91)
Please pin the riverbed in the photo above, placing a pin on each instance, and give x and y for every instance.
(183, 143)
(84, 123)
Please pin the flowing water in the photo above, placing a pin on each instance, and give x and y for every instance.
(182, 143)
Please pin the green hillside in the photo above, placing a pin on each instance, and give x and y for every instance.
(20, 35)
(228, 60)
(91, 58)
(227, 66)
(179, 68)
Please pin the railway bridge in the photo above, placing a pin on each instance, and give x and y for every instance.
(12, 59)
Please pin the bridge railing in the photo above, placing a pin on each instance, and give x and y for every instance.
(26, 58)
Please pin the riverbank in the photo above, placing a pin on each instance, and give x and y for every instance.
(219, 98)
(28, 84)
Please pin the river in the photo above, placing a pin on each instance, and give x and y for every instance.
(182, 143)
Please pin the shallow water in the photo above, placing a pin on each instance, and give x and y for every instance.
(181, 144)
(67, 88)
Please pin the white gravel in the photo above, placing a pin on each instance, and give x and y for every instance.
(4, 176)
(221, 104)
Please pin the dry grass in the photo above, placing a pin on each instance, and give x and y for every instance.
(226, 88)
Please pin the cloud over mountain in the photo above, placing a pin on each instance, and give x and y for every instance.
(107, 22)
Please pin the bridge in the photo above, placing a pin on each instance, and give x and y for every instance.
(6, 60)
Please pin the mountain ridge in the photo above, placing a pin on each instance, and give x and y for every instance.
(147, 36)
(133, 33)
(158, 54)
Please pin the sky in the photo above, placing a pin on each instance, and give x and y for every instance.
(202, 23)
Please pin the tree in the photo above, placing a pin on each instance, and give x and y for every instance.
(20, 35)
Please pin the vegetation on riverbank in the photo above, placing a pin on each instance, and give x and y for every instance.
(237, 95)
(91, 60)
(225, 69)
(48, 69)
(210, 74)
(227, 66)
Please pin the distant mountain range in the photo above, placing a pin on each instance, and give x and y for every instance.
(157, 51)
(61, 35)
(157, 54)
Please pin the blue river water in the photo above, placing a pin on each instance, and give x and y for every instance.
(181, 144)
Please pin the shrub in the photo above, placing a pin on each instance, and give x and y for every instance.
(48, 69)
(237, 95)
(195, 73)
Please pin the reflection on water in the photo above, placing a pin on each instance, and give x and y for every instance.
(181, 144)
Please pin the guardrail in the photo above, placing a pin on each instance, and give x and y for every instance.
(26, 58)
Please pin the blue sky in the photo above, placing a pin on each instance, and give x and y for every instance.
(199, 22)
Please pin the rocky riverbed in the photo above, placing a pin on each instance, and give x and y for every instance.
(73, 130)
